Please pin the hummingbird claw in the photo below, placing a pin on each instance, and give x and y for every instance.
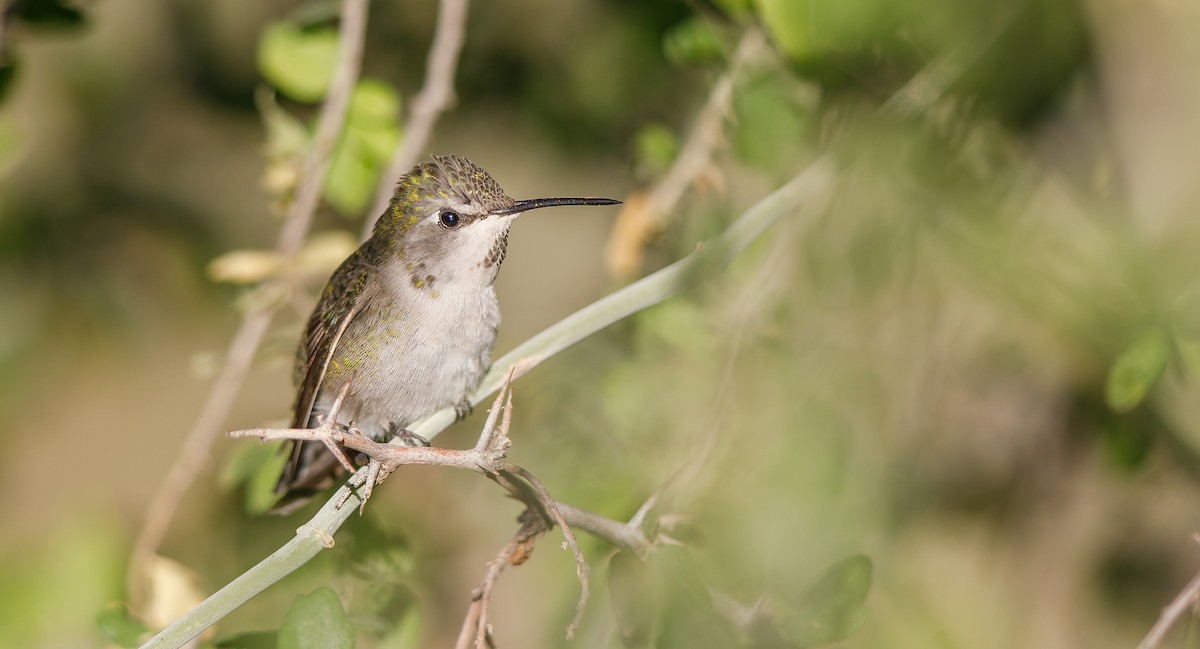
(462, 410)
(407, 436)
(376, 473)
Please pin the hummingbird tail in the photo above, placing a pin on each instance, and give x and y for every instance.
(310, 469)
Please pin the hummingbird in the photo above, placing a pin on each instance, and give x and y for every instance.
(409, 319)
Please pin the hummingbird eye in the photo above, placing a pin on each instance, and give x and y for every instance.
(450, 220)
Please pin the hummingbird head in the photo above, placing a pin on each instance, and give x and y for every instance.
(449, 217)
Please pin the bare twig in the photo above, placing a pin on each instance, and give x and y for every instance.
(486, 457)
(435, 97)
(255, 323)
(640, 220)
(1185, 600)
(581, 566)
(476, 628)
(195, 450)
(624, 535)
(351, 36)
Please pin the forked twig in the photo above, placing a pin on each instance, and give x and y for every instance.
(255, 323)
(486, 457)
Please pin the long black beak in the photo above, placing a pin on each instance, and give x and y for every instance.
(535, 203)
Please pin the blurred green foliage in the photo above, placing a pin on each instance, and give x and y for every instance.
(316, 621)
(371, 133)
(951, 402)
(298, 61)
(1136, 370)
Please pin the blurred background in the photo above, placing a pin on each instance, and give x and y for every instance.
(958, 405)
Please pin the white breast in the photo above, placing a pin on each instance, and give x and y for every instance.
(414, 350)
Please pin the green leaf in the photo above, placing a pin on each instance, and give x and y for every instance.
(785, 21)
(255, 468)
(808, 29)
(771, 124)
(299, 62)
(1136, 370)
(121, 628)
(694, 41)
(655, 148)
(316, 621)
(833, 607)
(351, 178)
(1127, 442)
(374, 102)
(369, 137)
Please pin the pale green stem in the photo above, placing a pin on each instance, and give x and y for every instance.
(318, 533)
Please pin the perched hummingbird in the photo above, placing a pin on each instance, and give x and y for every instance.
(410, 318)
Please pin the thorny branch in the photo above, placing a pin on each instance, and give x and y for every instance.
(487, 457)
(435, 97)
(246, 341)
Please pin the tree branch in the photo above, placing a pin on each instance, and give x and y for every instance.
(642, 219)
(255, 323)
(476, 628)
(435, 97)
(1185, 600)
(487, 457)
(650, 290)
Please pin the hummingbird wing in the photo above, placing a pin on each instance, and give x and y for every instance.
(343, 298)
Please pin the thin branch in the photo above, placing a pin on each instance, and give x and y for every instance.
(476, 628)
(642, 219)
(581, 566)
(255, 323)
(624, 535)
(486, 457)
(1185, 600)
(648, 291)
(707, 134)
(435, 97)
(351, 36)
(193, 454)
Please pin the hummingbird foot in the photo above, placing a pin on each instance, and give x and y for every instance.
(462, 409)
(377, 472)
(406, 436)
